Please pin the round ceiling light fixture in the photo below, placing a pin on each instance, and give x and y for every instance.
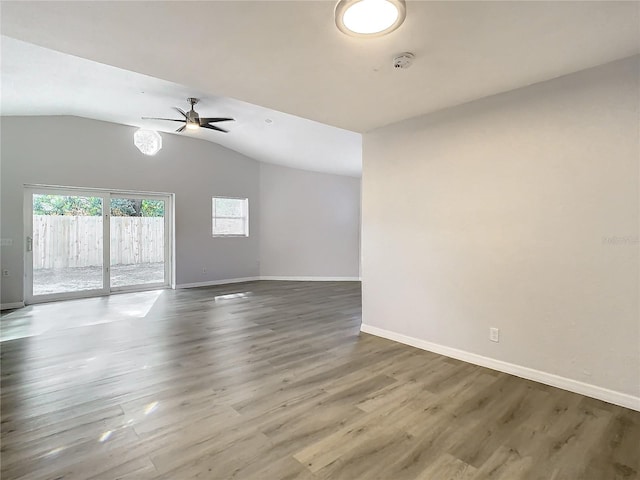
(148, 142)
(370, 18)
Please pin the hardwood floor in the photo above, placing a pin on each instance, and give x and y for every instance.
(273, 381)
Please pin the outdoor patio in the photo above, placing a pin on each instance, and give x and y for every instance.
(73, 279)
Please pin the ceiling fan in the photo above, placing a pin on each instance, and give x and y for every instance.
(192, 120)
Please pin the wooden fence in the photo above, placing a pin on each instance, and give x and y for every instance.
(69, 241)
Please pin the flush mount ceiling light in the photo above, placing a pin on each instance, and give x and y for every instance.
(148, 142)
(369, 18)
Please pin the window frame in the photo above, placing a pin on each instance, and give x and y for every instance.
(245, 218)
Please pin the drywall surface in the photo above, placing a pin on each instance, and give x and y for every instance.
(72, 151)
(519, 211)
(309, 224)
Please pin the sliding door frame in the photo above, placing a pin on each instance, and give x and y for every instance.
(166, 198)
(106, 195)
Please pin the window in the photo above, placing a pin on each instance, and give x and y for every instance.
(230, 217)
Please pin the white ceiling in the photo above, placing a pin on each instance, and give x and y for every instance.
(289, 56)
(39, 81)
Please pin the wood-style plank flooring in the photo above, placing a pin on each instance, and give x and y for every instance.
(273, 381)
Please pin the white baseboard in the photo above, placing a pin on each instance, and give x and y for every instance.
(610, 396)
(10, 306)
(311, 279)
(253, 279)
(211, 283)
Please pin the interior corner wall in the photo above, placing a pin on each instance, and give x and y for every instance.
(310, 224)
(518, 211)
(72, 151)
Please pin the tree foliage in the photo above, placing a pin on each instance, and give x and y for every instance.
(66, 205)
(92, 206)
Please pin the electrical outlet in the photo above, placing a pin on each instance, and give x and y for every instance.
(5, 273)
(204, 270)
(494, 334)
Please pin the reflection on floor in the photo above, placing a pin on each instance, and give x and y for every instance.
(56, 316)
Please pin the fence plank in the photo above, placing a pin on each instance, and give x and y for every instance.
(69, 241)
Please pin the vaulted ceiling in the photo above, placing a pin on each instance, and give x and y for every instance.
(40, 81)
(289, 56)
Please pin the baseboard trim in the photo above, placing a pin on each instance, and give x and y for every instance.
(310, 279)
(11, 306)
(589, 390)
(211, 283)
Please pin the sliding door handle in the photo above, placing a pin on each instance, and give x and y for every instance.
(29, 244)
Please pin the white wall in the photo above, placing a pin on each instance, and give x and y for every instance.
(310, 224)
(494, 213)
(72, 151)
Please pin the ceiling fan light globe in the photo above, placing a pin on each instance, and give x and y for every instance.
(193, 126)
(149, 142)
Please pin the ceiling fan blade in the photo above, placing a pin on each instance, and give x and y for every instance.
(179, 110)
(182, 128)
(169, 119)
(215, 119)
(212, 127)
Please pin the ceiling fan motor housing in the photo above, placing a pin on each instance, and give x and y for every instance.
(193, 117)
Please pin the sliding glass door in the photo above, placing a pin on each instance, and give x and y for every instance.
(87, 243)
(67, 243)
(138, 241)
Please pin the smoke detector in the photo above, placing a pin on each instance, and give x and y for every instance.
(403, 61)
